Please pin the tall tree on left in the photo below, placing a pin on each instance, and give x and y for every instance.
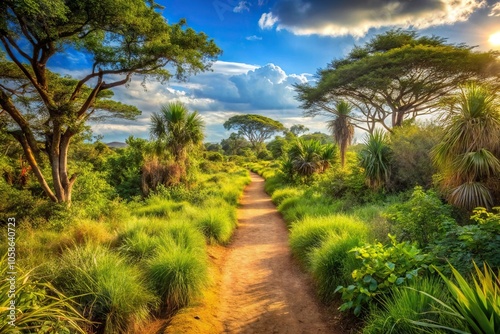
(119, 38)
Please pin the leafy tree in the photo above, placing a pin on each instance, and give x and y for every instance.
(255, 128)
(342, 128)
(396, 76)
(177, 130)
(323, 138)
(120, 38)
(375, 159)
(298, 129)
(234, 144)
(468, 154)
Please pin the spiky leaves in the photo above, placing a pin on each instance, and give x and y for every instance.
(468, 154)
(342, 128)
(375, 159)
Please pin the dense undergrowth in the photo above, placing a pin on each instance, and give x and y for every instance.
(378, 253)
(114, 266)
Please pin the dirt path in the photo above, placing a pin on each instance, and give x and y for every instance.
(263, 290)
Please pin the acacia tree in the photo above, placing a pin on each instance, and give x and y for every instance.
(256, 128)
(121, 38)
(396, 76)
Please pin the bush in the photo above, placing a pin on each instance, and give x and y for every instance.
(382, 268)
(279, 195)
(109, 291)
(421, 218)
(332, 263)
(309, 233)
(408, 304)
(460, 245)
(178, 274)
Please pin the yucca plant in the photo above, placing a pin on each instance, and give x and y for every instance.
(476, 303)
(342, 128)
(375, 158)
(468, 154)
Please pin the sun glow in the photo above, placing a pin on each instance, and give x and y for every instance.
(495, 39)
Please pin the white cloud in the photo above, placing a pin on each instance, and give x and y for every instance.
(242, 6)
(253, 38)
(356, 17)
(267, 21)
(495, 10)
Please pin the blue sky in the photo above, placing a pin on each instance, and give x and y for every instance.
(268, 45)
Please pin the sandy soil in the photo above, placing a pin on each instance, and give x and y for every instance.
(263, 289)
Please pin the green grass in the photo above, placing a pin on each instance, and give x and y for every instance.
(179, 275)
(110, 291)
(310, 232)
(279, 195)
(332, 264)
(217, 223)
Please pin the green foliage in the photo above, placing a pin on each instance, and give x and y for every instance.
(421, 218)
(405, 305)
(342, 128)
(39, 306)
(411, 163)
(217, 222)
(178, 274)
(477, 304)
(375, 159)
(480, 241)
(382, 268)
(109, 291)
(279, 195)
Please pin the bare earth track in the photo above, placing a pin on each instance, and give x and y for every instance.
(259, 287)
(263, 290)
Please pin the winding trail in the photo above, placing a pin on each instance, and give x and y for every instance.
(263, 289)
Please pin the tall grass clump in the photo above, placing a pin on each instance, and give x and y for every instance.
(309, 233)
(39, 306)
(184, 235)
(408, 304)
(159, 207)
(279, 195)
(139, 245)
(110, 292)
(217, 223)
(332, 263)
(178, 275)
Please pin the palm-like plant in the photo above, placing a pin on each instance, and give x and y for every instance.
(306, 157)
(375, 159)
(342, 128)
(468, 155)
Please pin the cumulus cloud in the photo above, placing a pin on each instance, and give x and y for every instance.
(253, 38)
(495, 10)
(356, 17)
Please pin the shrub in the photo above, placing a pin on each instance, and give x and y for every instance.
(158, 207)
(178, 274)
(460, 245)
(39, 306)
(421, 218)
(332, 263)
(279, 195)
(109, 291)
(403, 306)
(140, 245)
(382, 267)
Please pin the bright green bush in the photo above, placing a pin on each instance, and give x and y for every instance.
(332, 263)
(158, 207)
(382, 268)
(405, 305)
(421, 218)
(309, 233)
(279, 195)
(109, 291)
(139, 245)
(178, 274)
